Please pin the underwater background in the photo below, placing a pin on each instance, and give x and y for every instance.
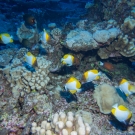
(67, 67)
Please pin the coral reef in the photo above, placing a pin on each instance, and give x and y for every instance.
(103, 36)
(21, 78)
(56, 34)
(39, 103)
(123, 46)
(106, 96)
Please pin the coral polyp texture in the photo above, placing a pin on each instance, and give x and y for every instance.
(62, 124)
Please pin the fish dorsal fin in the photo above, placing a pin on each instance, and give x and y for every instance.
(66, 56)
(123, 81)
(71, 79)
(94, 71)
(29, 53)
(72, 91)
(122, 108)
(5, 34)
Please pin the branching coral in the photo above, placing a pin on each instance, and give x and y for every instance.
(62, 124)
(24, 79)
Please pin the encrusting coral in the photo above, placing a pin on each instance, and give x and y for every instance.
(80, 40)
(106, 96)
(62, 124)
(123, 46)
(129, 24)
(56, 34)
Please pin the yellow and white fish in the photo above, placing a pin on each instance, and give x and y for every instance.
(5, 38)
(68, 60)
(45, 37)
(30, 58)
(73, 85)
(126, 87)
(121, 113)
(91, 75)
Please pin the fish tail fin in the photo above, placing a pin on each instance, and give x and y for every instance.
(101, 63)
(68, 96)
(100, 73)
(115, 106)
(132, 88)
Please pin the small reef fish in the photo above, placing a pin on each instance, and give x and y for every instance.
(91, 75)
(30, 59)
(68, 60)
(126, 87)
(121, 113)
(107, 65)
(72, 87)
(45, 37)
(5, 38)
(29, 19)
(30, 62)
(68, 96)
(29, 67)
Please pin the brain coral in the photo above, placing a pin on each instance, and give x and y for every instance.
(106, 96)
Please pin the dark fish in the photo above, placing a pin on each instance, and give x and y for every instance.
(87, 86)
(29, 67)
(118, 125)
(42, 51)
(68, 96)
(64, 70)
(121, 94)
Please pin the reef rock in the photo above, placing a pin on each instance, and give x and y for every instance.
(103, 36)
(80, 40)
(106, 96)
